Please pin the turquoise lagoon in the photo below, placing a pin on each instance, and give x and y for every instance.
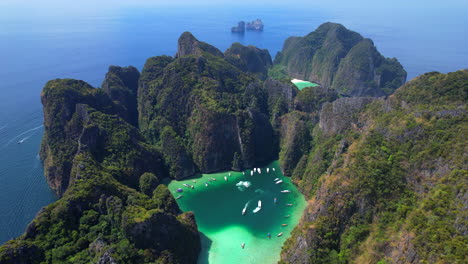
(218, 210)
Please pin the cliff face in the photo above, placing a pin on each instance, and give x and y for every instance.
(210, 110)
(249, 59)
(189, 45)
(341, 59)
(94, 160)
(121, 84)
(385, 179)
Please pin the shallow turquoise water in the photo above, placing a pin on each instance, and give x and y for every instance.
(218, 211)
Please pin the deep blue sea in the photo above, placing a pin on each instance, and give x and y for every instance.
(37, 45)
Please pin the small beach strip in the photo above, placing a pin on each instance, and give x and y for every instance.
(300, 84)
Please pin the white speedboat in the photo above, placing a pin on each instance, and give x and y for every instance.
(285, 191)
(206, 184)
(256, 210)
(277, 179)
(225, 178)
(180, 196)
(273, 169)
(251, 173)
(278, 182)
(243, 245)
(259, 203)
(243, 173)
(259, 170)
(244, 210)
(255, 170)
(280, 234)
(268, 170)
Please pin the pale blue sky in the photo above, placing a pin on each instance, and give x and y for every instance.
(422, 4)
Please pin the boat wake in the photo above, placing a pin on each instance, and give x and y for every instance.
(259, 191)
(23, 140)
(25, 132)
(243, 185)
(245, 207)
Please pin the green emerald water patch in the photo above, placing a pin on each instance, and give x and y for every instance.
(218, 210)
(302, 85)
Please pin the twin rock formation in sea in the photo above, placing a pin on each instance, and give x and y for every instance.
(256, 25)
(374, 169)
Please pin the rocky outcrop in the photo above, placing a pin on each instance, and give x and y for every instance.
(256, 25)
(205, 112)
(240, 28)
(74, 123)
(121, 84)
(189, 45)
(60, 142)
(339, 115)
(340, 59)
(311, 99)
(376, 190)
(295, 135)
(249, 59)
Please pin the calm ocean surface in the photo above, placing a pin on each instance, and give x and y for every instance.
(37, 46)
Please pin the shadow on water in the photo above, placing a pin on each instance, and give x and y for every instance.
(206, 246)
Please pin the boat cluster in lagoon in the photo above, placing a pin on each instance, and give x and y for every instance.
(242, 208)
(242, 186)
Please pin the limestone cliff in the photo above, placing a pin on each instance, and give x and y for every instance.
(340, 59)
(386, 179)
(249, 59)
(208, 110)
(107, 212)
(121, 84)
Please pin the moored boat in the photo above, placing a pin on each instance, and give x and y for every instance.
(243, 245)
(280, 234)
(278, 182)
(180, 196)
(285, 191)
(289, 204)
(225, 178)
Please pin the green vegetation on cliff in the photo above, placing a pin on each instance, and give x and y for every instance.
(391, 185)
(339, 59)
(196, 107)
(385, 177)
(98, 162)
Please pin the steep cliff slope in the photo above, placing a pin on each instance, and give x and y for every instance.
(249, 59)
(340, 59)
(386, 179)
(95, 160)
(206, 113)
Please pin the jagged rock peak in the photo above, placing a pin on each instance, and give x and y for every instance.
(189, 45)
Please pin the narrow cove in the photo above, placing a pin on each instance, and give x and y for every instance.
(218, 210)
